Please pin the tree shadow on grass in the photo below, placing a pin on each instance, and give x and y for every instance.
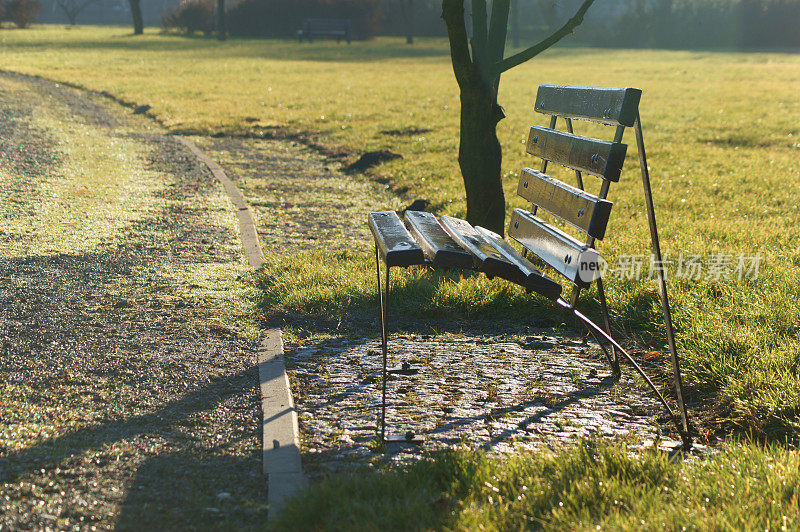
(182, 483)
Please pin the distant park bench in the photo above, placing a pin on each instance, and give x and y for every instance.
(453, 243)
(327, 27)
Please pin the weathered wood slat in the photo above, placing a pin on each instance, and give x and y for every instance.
(396, 246)
(607, 105)
(597, 157)
(578, 208)
(530, 278)
(569, 257)
(438, 246)
(485, 256)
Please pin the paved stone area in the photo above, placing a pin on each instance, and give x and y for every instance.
(500, 393)
(540, 389)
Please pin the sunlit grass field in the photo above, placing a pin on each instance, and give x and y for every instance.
(723, 137)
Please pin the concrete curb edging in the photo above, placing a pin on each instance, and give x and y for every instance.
(280, 431)
(252, 247)
(281, 441)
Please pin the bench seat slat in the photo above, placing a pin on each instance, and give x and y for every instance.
(436, 244)
(574, 260)
(485, 256)
(580, 209)
(396, 246)
(616, 106)
(596, 157)
(530, 278)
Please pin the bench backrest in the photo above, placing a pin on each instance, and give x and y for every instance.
(326, 24)
(575, 259)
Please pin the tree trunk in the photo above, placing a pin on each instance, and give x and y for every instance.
(479, 152)
(480, 157)
(515, 23)
(136, 13)
(408, 9)
(221, 20)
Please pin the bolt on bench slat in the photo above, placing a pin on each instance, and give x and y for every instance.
(606, 105)
(574, 260)
(580, 209)
(396, 246)
(596, 157)
(436, 244)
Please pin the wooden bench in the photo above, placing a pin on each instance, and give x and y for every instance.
(325, 27)
(421, 239)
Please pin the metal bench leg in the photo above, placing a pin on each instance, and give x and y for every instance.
(611, 356)
(383, 297)
(662, 284)
(614, 359)
(384, 346)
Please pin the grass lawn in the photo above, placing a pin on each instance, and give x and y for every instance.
(723, 136)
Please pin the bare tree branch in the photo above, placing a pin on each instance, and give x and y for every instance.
(72, 8)
(498, 30)
(533, 51)
(479, 35)
(453, 15)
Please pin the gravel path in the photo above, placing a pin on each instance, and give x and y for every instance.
(128, 398)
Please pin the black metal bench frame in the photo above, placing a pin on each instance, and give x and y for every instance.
(445, 244)
(327, 27)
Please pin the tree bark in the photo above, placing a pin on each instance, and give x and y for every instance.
(479, 151)
(515, 22)
(136, 13)
(480, 159)
(408, 14)
(221, 30)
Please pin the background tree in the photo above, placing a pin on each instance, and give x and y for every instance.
(22, 12)
(478, 76)
(408, 16)
(221, 30)
(136, 13)
(72, 8)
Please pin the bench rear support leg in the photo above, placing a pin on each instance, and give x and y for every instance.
(614, 359)
(662, 285)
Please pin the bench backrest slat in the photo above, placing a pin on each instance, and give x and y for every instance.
(607, 105)
(573, 259)
(580, 209)
(327, 24)
(577, 261)
(596, 157)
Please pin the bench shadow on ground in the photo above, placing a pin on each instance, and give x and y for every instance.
(339, 420)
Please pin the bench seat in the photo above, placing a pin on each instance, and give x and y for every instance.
(454, 243)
